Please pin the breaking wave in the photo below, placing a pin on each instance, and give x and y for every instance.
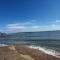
(3, 45)
(47, 51)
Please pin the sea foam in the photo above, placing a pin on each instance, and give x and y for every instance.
(45, 50)
(3, 45)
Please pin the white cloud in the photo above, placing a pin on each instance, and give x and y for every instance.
(31, 26)
(16, 27)
(57, 21)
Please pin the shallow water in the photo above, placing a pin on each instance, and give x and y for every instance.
(51, 47)
(48, 46)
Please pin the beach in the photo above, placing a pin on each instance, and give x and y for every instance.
(22, 52)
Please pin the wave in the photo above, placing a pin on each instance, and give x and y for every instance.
(3, 45)
(47, 51)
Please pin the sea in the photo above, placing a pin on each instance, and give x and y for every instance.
(48, 42)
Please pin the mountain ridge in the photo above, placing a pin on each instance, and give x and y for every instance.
(37, 35)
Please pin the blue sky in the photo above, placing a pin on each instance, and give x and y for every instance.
(29, 15)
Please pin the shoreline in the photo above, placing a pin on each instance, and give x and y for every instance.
(25, 51)
(46, 51)
(37, 54)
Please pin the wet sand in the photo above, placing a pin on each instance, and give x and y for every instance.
(22, 52)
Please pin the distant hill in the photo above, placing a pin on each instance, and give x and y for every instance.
(2, 35)
(36, 35)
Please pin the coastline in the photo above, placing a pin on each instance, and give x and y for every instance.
(36, 54)
(47, 51)
(13, 52)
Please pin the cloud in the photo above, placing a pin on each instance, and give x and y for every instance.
(57, 21)
(22, 27)
(31, 26)
(13, 26)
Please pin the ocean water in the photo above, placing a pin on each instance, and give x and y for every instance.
(51, 44)
(51, 47)
(48, 46)
(48, 42)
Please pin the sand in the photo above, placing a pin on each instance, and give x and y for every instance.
(22, 52)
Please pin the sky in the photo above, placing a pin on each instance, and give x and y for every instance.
(29, 15)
